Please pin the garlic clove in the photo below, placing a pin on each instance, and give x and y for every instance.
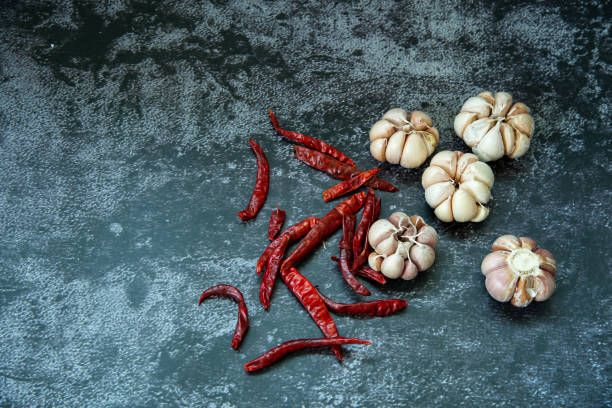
(493, 261)
(420, 120)
(395, 144)
(437, 193)
(528, 243)
(403, 249)
(378, 148)
(518, 108)
(508, 136)
(436, 135)
(501, 284)
(444, 211)
(417, 221)
(521, 145)
(410, 270)
(379, 231)
(544, 285)
(481, 214)
(430, 142)
(501, 106)
(433, 175)
(428, 236)
(462, 120)
(523, 123)
(487, 96)
(491, 146)
(423, 256)
(464, 161)
(415, 152)
(478, 105)
(525, 291)
(464, 206)
(478, 171)
(506, 243)
(447, 160)
(396, 116)
(392, 266)
(478, 190)
(475, 131)
(399, 219)
(375, 260)
(547, 261)
(382, 129)
(387, 246)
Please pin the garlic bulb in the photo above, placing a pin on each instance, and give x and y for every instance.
(403, 246)
(492, 126)
(519, 272)
(457, 185)
(397, 140)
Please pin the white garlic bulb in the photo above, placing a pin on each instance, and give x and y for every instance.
(397, 140)
(403, 246)
(457, 185)
(492, 126)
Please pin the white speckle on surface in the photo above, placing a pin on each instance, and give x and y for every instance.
(116, 228)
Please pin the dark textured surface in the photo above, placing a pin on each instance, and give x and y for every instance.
(124, 161)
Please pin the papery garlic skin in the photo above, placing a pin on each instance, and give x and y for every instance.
(457, 186)
(518, 271)
(493, 127)
(399, 140)
(403, 246)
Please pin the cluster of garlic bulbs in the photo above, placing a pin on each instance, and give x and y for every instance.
(397, 140)
(403, 245)
(492, 126)
(458, 185)
(518, 271)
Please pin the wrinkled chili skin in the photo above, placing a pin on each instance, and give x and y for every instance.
(312, 302)
(366, 272)
(364, 225)
(348, 229)
(336, 168)
(243, 317)
(324, 228)
(349, 185)
(273, 355)
(277, 218)
(295, 232)
(269, 277)
(261, 185)
(348, 276)
(311, 142)
(378, 308)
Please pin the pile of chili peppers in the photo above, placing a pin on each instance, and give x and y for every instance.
(353, 248)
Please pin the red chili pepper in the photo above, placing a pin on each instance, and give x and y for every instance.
(269, 276)
(348, 276)
(295, 232)
(261, 185)
(277, 218)
(348, 229)
(336, 168)
(364, 225)
(310, 142)
(371, 274)
(373, 308)
(349, 185)
(312, 302)
(243, 319)
(273, 355)
(376, 212)
(324, 228)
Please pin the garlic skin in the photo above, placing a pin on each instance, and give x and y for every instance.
(457, 186)
(397, 140)
(518, 271)
(403, 246)
(493, 127)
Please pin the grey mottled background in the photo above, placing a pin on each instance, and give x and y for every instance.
(124, 160)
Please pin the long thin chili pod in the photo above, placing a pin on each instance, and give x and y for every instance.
(324, 228)
(336, 168)
(277, 218)
(269, 276)
(365, 272)
(349, 185)
(361, 231)
(348, 229)
(373, 308)
(295, 232)
(312, 302)
(261, 185)
(273, 355)
(348, 276)
(243, 318)
(310, 142)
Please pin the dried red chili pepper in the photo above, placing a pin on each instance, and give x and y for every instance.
(269, 276)
(349, 185)
(273, 355)
(348, 229)
(261, 185)
(364, 224)
(312, 302)
(277, 218)
(243, 319)
(310, 142)
(323, 228)
(295, 232)
(336, 168)
(348, 276)
(373, 308)
(366, 272)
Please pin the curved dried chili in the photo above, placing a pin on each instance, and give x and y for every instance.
(243, 319)
(277, 218)
(373, 308)
(365, 272)
(269, 276)
(349, 185)
(261, 185)
(348, 276)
